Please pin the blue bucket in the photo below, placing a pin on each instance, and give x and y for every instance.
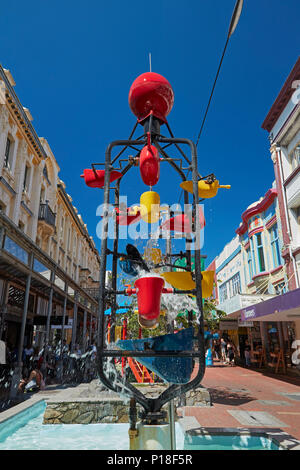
(175, 370)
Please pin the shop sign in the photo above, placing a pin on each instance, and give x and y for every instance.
(228, 325)
(249, 314)
(245, 324)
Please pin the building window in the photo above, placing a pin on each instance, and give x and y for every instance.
(7, 155)
(280, 288)
(69, 239)
(295, 157)
(253, 264)
(260, 253)
(26, 179)
(250, 269)
(62, 228)
(297, 212)
(21, 225)
(2, 207)
(236, 284)
(223, 292)
(275, 245)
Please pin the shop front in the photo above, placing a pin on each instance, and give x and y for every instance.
(279, 321)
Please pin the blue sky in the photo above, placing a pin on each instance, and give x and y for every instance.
(74, 62)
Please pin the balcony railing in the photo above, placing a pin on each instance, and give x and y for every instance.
(46, 214)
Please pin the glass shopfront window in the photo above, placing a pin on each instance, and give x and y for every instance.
(16, 250)
(41, 269)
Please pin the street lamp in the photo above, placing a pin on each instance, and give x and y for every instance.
(235, 17)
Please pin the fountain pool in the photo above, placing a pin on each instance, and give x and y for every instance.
(25, 431)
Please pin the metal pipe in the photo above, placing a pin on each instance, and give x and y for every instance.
(172, 424)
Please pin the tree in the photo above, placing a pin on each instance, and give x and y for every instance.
(212, 315)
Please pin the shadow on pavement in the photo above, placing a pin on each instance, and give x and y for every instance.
(228, 397)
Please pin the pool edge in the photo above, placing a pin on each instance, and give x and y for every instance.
(283, 440)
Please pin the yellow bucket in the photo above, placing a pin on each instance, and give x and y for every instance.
(184, 281)
(207, 283)
(179, 280)
(205, 190)
(150, 205)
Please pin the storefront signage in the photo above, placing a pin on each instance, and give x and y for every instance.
(279, 303)
(246, 324)
(228, 325)
(250, 313)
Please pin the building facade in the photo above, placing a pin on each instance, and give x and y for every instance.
(49, 265)
(251, 272)
(283, 125)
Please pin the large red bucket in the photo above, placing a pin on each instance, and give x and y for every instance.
(149, 290)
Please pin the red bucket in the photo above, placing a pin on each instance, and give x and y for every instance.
(149, 296)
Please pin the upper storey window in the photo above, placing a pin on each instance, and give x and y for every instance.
(295, 157)
(260, 253)
(8, 153)
(26, 179)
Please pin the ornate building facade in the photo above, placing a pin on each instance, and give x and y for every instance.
(49, 264)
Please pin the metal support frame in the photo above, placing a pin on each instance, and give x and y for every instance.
(152, 406)
(74, 324)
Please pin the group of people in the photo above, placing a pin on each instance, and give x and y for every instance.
(40, 368)
(224, 351)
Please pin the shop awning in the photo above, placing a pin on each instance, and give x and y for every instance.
(284, 307)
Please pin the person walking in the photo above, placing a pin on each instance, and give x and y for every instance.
(217, 349)
(223, 350)
(231, 353)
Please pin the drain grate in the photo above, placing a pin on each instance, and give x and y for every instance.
(256, 418)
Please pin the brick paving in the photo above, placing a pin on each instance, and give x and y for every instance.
(274, 396)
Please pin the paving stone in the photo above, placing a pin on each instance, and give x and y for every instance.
(256, 418)
(274, 403)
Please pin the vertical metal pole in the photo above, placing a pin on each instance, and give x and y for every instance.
(49, 316)
(105, 220)
(172, 424)
(63, 322)
(170, 324)
(25, 310)
(197, 255)
(3, 307)
(74, 324)
(4, 296)
(90, 329)
(84, 331)
(114, 268)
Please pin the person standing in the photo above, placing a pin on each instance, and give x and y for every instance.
(28, 353)
(247, 354)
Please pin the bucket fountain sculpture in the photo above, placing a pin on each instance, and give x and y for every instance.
(171, 356)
